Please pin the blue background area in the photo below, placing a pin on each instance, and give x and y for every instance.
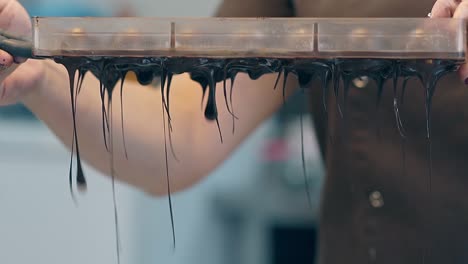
(52, 8)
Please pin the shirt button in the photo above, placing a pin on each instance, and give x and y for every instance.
(361, 82)
(376, 199)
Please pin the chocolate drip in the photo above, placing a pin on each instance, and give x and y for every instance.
(209, 72)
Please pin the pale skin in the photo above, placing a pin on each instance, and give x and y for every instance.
(43, 87)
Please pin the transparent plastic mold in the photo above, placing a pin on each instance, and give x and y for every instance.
(413, 38)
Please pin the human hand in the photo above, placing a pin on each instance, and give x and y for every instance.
(455, 9)
(18, 77)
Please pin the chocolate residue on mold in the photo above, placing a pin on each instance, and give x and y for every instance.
(337, 73)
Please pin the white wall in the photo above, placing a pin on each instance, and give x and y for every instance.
(39, 223)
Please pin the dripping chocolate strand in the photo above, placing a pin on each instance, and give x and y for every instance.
(403, 139)
(80, 179)
(211, 111)
(164, 109)
(112, 168)
(396, 110)
(380, 85)
(122, 80)
(165, 80)
(325, 77)
(210, 72)
(81, 76)
(108, 81)
(304, 170)
(71, 75)
(167, 174)
(232, 78)
(225, 76)
(105, 124)
(428, 105)
(336, 87)
(171, 145)
(403, 89)
(72, 69)
(226, 97)
(163, 86)
(438, 69)
(285, 80)
(346, 87)
(204, 86)
(278, 77)
(428, 102)
(105, 81)
(74, 90)
(429, 90)
(169, 119)
(168, 89)
(325, 83)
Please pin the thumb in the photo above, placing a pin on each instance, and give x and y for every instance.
(7, 66)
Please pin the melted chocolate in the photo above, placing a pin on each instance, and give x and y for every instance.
(207, 72)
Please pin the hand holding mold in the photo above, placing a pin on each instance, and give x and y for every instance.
(455, 9)
(18, 77)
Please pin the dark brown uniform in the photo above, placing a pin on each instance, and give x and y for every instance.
(374, 210)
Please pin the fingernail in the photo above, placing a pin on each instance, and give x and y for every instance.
(466, 81)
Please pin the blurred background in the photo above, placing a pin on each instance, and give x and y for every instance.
(252, 210)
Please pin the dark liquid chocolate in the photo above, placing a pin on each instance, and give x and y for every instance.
(337, 74)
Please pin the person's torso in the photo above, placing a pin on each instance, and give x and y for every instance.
(380, 205)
